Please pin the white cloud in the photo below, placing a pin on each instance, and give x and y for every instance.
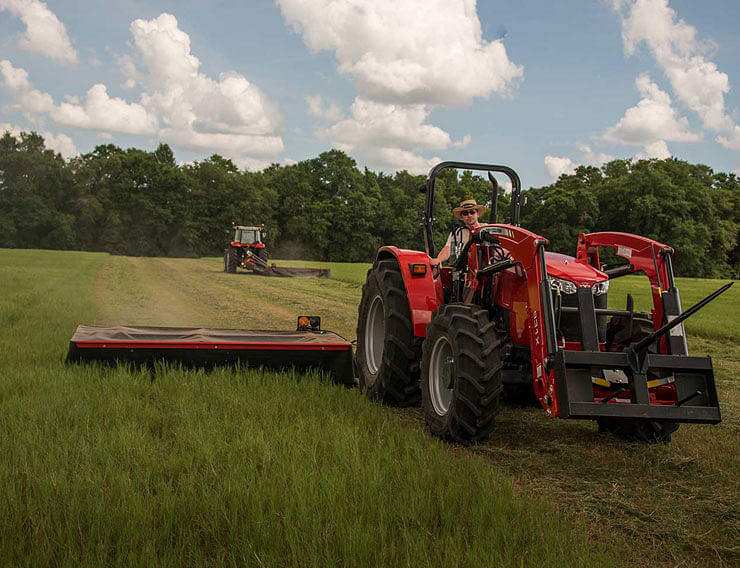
(416, 51)
(592, 158)
(317, 108)
(405, 58)
(60, 143)
(658, 149)
(731, 141)
(557, 166)
(696, 81)
(652, 122)
(179, 104)
(44, 33)
(101, 112)
(98, 112)
(387, 136)
(464, 142)
(379, 124)
(231, 115)
(396, 159)
(30, 101)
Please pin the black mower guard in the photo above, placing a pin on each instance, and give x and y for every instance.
(201, 347)
(260, 266)
(295, 271)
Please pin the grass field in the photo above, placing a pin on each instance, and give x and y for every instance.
(120, 467)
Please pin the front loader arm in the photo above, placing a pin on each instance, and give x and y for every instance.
(652, 258)
(528, 251)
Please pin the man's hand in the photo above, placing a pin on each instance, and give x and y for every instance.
(435, 261)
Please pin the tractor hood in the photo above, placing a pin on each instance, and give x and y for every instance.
(568, 268)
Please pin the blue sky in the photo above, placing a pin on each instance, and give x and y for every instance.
(540, 86)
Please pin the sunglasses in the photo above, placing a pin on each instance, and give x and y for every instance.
(466, 213)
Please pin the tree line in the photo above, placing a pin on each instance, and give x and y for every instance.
(134, 202)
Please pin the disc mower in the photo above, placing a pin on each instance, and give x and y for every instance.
(509, 313)
(308, 347)
(247, 251)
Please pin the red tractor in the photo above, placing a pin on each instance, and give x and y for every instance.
(246, 250)
(509, 313)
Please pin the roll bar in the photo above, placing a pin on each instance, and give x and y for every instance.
(428, 215)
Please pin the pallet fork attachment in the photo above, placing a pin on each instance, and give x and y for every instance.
(692, 378)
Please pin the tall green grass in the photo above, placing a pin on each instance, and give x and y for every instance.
(122, 467)
(720, 319)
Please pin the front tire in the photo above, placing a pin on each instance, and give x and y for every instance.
(387, 350)
(461, 374)
(620, 334)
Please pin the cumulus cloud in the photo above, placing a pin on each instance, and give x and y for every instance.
(317, 108)
(60, 142)
(652, 122)
(695, 80)
(380, 124)
(231, 115)
(732, 140)
(464, 142)
(405, 58)
(179, 104)
(557, 166)
(98, 112)
(44, 33)
(101, 112)
(387, 136)
(591, 158)
(416, 51)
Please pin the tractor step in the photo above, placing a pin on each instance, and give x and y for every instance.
(201, 347)
(577, 372)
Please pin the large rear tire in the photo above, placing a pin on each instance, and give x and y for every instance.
(230, 261)
(387, 351)
(620, 334)
(461, 374)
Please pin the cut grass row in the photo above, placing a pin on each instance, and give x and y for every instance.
(121, 467)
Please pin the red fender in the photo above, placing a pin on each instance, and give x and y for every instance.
(423, 291)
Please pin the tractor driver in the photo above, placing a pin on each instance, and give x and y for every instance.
(468, 212)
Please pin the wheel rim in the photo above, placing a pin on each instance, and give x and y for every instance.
(441, 368)
(374, 335)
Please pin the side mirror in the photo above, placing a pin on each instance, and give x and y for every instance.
(423, 188)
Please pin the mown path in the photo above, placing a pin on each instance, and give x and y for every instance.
(197, 293)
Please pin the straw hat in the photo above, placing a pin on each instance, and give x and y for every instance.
(468, 204)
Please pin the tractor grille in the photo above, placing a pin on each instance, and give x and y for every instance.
(570, 325)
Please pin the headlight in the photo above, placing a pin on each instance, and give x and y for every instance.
(564, 286)
(600, 288)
